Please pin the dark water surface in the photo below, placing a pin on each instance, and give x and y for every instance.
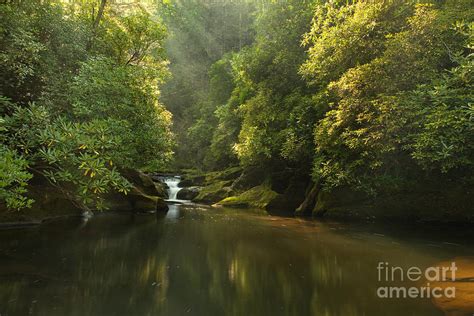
(202, 261)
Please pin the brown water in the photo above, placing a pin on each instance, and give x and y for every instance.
(201, 261)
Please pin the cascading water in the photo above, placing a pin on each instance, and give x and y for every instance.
(173, 189)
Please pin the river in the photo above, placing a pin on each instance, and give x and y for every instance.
(198, 260)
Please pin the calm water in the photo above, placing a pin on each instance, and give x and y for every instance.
(201, 261)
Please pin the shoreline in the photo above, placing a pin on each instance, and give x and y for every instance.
(346, 219)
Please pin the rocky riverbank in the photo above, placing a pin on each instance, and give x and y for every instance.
(147, 195)
(288, 192)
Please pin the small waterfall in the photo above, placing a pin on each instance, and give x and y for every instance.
(173, 189)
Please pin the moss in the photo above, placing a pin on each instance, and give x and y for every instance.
(214, 192)
(161, 190)
(191, 172)
(192, 177)
(227, 174)
(259, 197)
(188, 193)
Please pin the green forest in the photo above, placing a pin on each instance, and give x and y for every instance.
(306, 106)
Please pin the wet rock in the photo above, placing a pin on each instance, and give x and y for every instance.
(145, 196)
(188, 193)
(161, 205)
(214, 192)
(144, 182)
(192, 180)
(135, 201)
(162, 189)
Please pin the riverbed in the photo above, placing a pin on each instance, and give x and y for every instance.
(197, 260)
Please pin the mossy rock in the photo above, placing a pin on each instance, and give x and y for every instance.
(188, 193)
(192, 181)
(193, 178)
(135, 201)
(144, 183)
(260, 197)
(226, 174)
(214, 192)
(249, 178)
(161, 205)
(161, 190)
(145, 196)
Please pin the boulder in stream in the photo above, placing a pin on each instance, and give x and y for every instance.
(214, 192)
(144, 183)
(258, 197)
(188, 193)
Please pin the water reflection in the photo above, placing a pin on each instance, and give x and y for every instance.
(173, 212)
(201, 261)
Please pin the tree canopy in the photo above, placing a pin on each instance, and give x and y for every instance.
(371, 95)
(375, 96)
(80, 98)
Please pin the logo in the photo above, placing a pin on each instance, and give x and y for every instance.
(396, 275)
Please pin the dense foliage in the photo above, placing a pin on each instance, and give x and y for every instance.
(201, 33)
(393, 114)
(371, 95)
(79, 98)
(374, 95)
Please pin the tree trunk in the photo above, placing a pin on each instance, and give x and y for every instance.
(306, 208)
(96, 23)
(100, 14)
